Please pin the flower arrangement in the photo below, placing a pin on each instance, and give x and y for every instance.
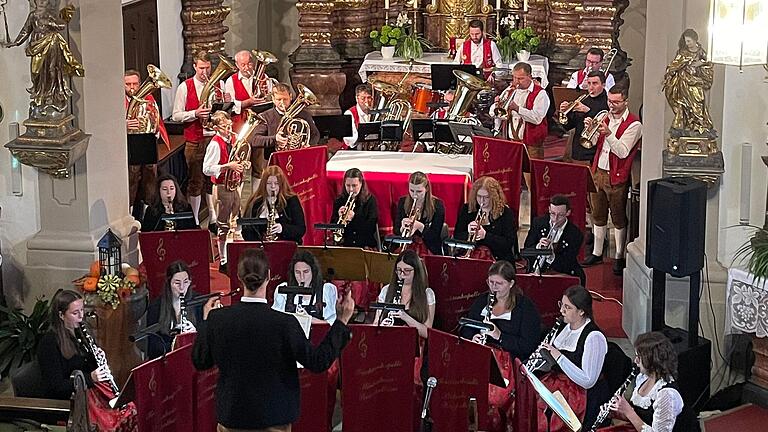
(516, 40)
(109, 288)
(411, 46)
(387, 36)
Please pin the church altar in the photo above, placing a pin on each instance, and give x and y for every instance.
(373, 62)
(747, 312)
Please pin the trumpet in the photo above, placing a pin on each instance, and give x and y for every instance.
(589, 135)
(349, 206)
(389, 320)
(562, 116)
(537, 361)
(500, 112)
(413, 216)
(481, 217)
(488, 310)
(271, 218)
(605, 408)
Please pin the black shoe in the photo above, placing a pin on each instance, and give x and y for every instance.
(592, 260)
(618, 266)
(213, 228)
(223, 269)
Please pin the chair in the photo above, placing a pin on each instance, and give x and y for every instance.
(27, 381)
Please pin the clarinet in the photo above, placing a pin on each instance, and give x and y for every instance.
(605, 408)
(537, 361)
(89, 344)
(488, 309)
(184, 325)
(389, 320)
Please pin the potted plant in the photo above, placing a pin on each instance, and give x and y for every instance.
(20, 334)
(519, 42)
(387, 39)
(412, 45)
(756, 248)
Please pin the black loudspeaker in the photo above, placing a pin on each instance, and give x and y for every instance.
(693, 367)
(676, 223)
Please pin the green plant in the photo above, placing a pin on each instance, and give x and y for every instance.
(20, 333)
(387, 36)
(756, 248)
(516, 41)
(411, 48)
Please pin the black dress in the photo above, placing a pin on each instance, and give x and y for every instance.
(519, 334)
(291, 218)
(161, 344)
(432, 228)
(500, 233)
(576, 121)
(151, 220)
(361, 230)
(55, 369)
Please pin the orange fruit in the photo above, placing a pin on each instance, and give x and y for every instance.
(90, 284)
(95, 269)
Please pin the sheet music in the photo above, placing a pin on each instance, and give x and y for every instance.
(305, 321)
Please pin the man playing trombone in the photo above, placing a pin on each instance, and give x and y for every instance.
(592, 62)
(521, 109)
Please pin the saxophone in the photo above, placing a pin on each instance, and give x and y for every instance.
(488, 310)
(605, 408)
(389, 320)
(271, 218)
(482, 216)
(537, 361)
(88, 344)
(338, 235)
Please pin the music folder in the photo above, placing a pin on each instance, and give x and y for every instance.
(423, 130)
(260, 108)
(565, 94)
(555, 401)
(251, 221)
(533, 252)
(127, 393)
(368, 132)
(174, 217)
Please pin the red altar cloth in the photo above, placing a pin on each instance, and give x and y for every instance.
(388, 187)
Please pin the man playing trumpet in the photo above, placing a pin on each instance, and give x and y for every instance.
(617, 144)
(591, 105)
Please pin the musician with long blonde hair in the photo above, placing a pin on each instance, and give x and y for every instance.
(421, 214)
(497, 229)
(275, 194)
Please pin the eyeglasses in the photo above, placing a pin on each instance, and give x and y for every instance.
(561, 305)
(610, 102)
(403, 271)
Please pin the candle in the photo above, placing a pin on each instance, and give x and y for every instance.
(386, 4)
(746, 180)
(434, 4)
(525, 5)
(498, 4)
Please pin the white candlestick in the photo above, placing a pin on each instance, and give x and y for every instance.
(525, 5)
(746, 183)
(498, 4)
(386, 4)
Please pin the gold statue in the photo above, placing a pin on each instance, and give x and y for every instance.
(52, 62)
(686, 80)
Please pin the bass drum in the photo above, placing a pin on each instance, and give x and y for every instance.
(423, 95)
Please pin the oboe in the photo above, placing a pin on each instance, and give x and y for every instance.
(488, 311)
(605, 408)
(537, 361)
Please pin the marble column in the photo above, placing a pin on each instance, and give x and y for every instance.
(352, 25)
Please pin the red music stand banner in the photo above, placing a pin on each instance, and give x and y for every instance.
(378, 385)
(463, 370)
(545, 291)
(279, 254)
(502, 160)
(525, 418)
(457, 282)
(316, 391)
(552, 178)
(305, 171)
(160, 248)
(164, 393)
(205, 399)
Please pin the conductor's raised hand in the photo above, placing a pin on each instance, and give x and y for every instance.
(345, 307)
(212, 303)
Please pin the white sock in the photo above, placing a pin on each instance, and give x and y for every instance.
(599, 233)
(194, 201)
(223, 252)
(621, 237)
(211, 208)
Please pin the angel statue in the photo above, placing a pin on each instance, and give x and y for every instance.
(687, 77)
(52, 62)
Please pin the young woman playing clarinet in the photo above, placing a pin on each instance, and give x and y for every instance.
(275, 201)
(421, 216)
(487, 221)
(408, 287)
(168, 200)
(304, 270)
(357, 210)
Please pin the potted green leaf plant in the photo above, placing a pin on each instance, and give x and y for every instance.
(387, 39)
(518, 42)
(20, 334)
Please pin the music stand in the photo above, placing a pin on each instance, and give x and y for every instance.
(260, 108)
(142, 149)
(337, 262)
(380, 266)
(325, 227)
(423, 130)
(175, 217)
(392, 130)
(555, 402)
(533, 252)
(454, 243)
(442, 74)
(221, 106)
(397, 240)
(333, 126)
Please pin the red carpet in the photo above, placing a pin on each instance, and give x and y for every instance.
(746, 418)
(600, 279)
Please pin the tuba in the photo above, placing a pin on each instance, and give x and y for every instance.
(338, 235)
(296, 129)
(262, 59)
(467, 88)
(138, 107)
(608, 60)
(211, 91)
(589, 135)
(241, 150)
(383, 95)
(562, 116)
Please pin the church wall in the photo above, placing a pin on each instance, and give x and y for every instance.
(171, 46)
(632, 40)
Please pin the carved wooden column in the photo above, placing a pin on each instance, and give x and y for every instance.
(316, 64)
(352, 25)
(537, 18)
(566, 41)
(204, 29)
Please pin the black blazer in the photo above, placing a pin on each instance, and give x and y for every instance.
(156, 346)
(151, 220)
(519, 335)
(566, 250)
(432, 228)
(361, 230)
(500, 234)
(256, 350)
(576, 121)
(291, 218)
(55, 369)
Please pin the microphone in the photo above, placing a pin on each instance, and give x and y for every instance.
(431, 384)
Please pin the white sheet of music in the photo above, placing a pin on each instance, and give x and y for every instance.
(305, 321)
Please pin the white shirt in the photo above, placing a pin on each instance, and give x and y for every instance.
(595, 348)
(180, 104)
(574, 81)
(211, 166)
(351, 141)
(667, 404)
(245, 299)
(229, 87)
(430, 295)
(524, 115)
(621, 146)
(330, 295)
(476, 51)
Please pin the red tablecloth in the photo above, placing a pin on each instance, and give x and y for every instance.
(388, 187)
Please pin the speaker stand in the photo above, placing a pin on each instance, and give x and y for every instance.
(658, 304)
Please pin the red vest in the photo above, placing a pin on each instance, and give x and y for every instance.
(620, 168)
(223, 157)
(534, 134)
(580, 75)
(193, 131)
(466, 56)
(355, 115)
(241, 94)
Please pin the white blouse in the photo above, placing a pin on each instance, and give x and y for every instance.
(595, 348)
(330, 294)
(430, 295)
(667, 404)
